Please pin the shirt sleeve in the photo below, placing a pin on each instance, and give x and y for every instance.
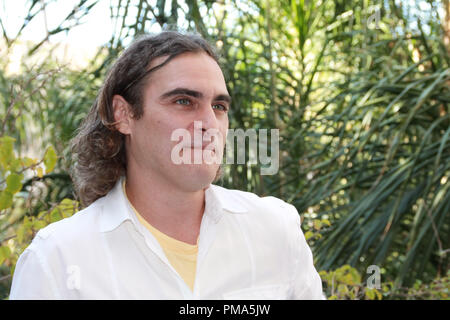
(32, 279)
(306, 281)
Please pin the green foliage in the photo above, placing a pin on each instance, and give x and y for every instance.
(438, 289)
(363, 112)
(314, 228)
(6, 151)
(344, 283)
(50, 159)
(18, 226)
(14, 183)
(388, 170)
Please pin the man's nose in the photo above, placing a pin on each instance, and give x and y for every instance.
(207, 117)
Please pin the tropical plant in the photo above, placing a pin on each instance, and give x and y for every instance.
(359, 91)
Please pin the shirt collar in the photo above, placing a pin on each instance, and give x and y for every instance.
(116, 209)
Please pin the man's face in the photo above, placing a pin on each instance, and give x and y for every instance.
(188, 89)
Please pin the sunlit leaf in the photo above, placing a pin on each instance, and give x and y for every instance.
(14, 183)
(5, 252)
(6, 151)
(50, 159)
(6, 199)
(40, 172)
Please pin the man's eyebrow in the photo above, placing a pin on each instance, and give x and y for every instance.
(223, 97)
(184, 91)
(193, 93)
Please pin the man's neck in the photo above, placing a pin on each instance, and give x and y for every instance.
(173, 211)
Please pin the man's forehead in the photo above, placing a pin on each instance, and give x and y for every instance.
(162, 59)
(180, 73)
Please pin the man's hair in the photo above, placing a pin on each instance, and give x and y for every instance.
(98, 147)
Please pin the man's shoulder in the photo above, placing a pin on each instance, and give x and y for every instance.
(271, 220)
(74, 229)
(253, 203)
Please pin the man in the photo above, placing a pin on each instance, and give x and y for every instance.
(154, 228)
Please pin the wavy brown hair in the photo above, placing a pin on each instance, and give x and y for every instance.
(98, 147)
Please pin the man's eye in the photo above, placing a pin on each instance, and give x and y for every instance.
(220, 107)
(183, 101)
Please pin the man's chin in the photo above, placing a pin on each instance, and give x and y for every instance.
(200, 176)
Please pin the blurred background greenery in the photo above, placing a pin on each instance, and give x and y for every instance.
(359, 90)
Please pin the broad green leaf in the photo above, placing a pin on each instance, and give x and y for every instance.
(15, 165)
(50, 159)
(6, 199)
(38, 224)
(67, 207)
(14, 183)
(308, 235)
(20, 232)
(5, 252)
(55, 215)
(6, 151)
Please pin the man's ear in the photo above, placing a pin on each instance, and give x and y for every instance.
(122, 114)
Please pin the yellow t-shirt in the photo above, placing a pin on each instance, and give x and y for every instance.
(181, 255)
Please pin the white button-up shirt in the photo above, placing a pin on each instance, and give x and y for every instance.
(249, 248)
